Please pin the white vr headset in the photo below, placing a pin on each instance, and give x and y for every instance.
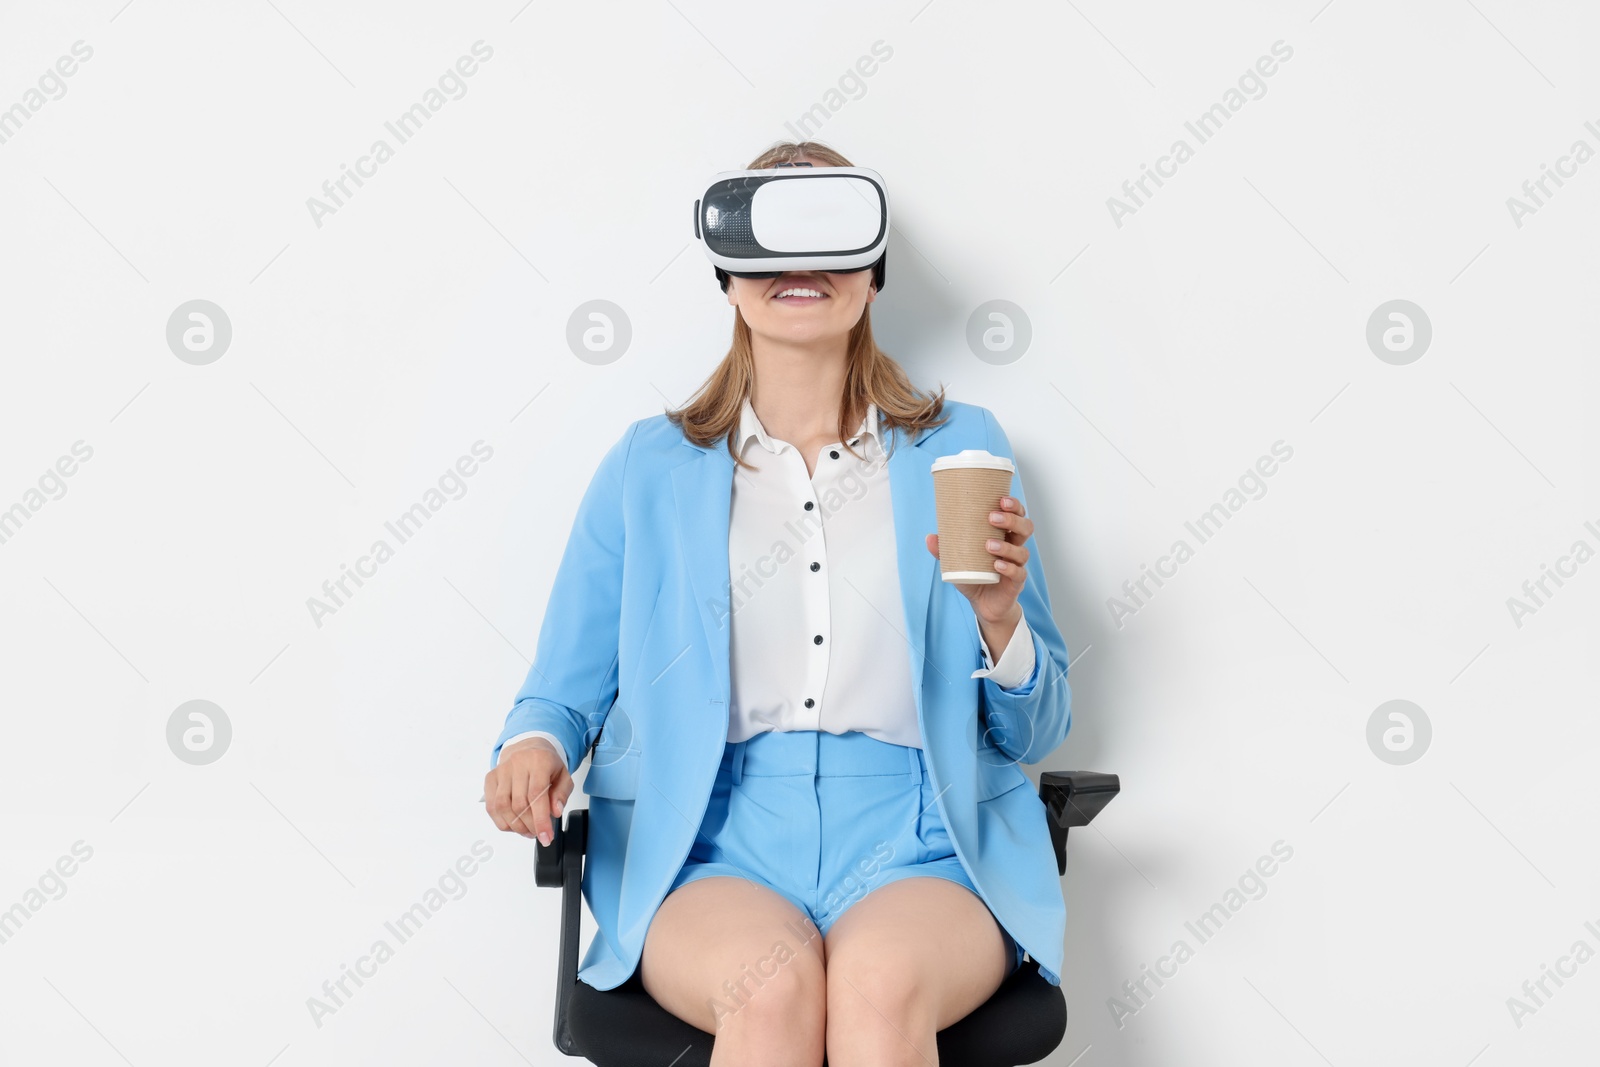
(763, 223)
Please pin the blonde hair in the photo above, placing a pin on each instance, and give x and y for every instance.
(871, 375)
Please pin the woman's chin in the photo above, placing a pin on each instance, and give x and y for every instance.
(799, 333)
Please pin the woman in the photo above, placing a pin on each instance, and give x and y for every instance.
(786, 808)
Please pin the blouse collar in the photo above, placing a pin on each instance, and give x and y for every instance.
(750, 426)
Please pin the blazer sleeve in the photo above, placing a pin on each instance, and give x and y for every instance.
(572, 683)
(1029, 722)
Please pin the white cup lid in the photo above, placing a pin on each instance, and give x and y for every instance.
(974, 457)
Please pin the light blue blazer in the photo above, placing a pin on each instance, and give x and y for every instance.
(634, 649)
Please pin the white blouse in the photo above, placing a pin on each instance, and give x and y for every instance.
(817, 639)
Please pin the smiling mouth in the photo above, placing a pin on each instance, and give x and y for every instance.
(800, 294)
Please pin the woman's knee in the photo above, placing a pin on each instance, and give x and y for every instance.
(880, 985)
(783, 990)
(723, 948)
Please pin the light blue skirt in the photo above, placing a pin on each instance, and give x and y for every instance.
(823, 819)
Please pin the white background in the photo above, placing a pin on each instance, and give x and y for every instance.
(1168, 353)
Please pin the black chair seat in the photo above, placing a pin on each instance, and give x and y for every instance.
(1023, 1022)
(624, 1027)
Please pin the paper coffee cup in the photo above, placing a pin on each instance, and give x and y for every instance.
(967, 486)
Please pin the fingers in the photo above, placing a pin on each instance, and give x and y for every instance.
(497, 797)
(559, 794)
(1007, 550)
(531, 816)
(516, 818)
(1011, 557)
(1012, 575)
(1012, 519)
(506, 799)
(521, 791)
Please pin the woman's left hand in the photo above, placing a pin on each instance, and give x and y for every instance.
(996, 603)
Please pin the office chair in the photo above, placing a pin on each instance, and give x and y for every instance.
(1021, 1023)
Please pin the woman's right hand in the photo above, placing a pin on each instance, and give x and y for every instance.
(527, 786)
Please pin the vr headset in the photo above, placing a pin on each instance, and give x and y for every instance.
(763, 223)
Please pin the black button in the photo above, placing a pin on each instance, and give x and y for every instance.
(817, 640)
(809, 505)
(809, 702)
(834, 452)
(816, 566)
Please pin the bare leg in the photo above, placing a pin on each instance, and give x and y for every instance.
(906, 961)
(739, 961)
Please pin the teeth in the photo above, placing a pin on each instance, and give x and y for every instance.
(798, 292)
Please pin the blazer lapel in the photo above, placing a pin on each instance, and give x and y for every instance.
(702, 491)
(911, 485)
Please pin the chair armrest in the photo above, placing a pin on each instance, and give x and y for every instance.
(1073, 798)
(560, 863)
